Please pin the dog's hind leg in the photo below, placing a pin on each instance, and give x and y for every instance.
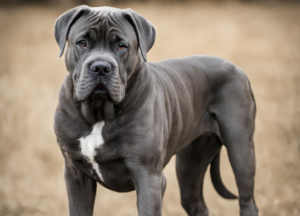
(234, 110)
(191, 165)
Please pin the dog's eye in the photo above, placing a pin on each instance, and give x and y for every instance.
(82, 43)
(121, 46)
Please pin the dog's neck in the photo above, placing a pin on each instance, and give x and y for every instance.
(137, 87)
(97, 110)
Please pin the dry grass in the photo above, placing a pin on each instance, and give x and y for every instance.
(263, 40)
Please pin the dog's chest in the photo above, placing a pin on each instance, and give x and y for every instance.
(109, 167)
(89, 145)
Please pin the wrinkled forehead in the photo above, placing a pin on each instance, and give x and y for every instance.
(102, 21)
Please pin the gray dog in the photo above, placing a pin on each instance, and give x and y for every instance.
(120, 119)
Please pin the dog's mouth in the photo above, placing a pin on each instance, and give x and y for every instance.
(100, 92)
(100, 89)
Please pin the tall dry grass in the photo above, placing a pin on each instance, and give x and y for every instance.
(263, 40)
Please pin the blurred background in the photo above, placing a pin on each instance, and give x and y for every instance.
(261, 36)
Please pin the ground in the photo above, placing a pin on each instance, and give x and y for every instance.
(261, 39)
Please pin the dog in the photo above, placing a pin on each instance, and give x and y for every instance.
(120, 118)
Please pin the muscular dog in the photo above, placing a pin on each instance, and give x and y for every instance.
(120, 119)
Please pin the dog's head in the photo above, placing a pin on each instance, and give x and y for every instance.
(105, 46)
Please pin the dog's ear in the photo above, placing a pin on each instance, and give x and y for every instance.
(144, 30)
(63, 24)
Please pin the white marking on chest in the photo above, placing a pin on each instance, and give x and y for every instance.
(89, 144)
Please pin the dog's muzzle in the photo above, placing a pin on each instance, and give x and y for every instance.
(99, 79)
(100, 68)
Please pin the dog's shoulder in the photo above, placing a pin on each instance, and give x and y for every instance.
(67, 115)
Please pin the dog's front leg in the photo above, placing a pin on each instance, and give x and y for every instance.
(81, 192)
(149, 185)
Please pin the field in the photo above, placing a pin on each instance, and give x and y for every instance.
(262, 39)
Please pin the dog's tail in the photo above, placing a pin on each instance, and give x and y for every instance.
(217, 181)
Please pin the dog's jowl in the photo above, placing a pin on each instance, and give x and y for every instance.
(120, 119)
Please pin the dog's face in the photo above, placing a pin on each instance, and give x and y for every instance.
(105, 47)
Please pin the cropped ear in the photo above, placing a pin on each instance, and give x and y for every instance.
(144, 30)
(63, 24)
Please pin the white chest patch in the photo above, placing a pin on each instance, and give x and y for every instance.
(90, 143)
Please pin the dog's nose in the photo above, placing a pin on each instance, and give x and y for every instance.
(100, 67)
